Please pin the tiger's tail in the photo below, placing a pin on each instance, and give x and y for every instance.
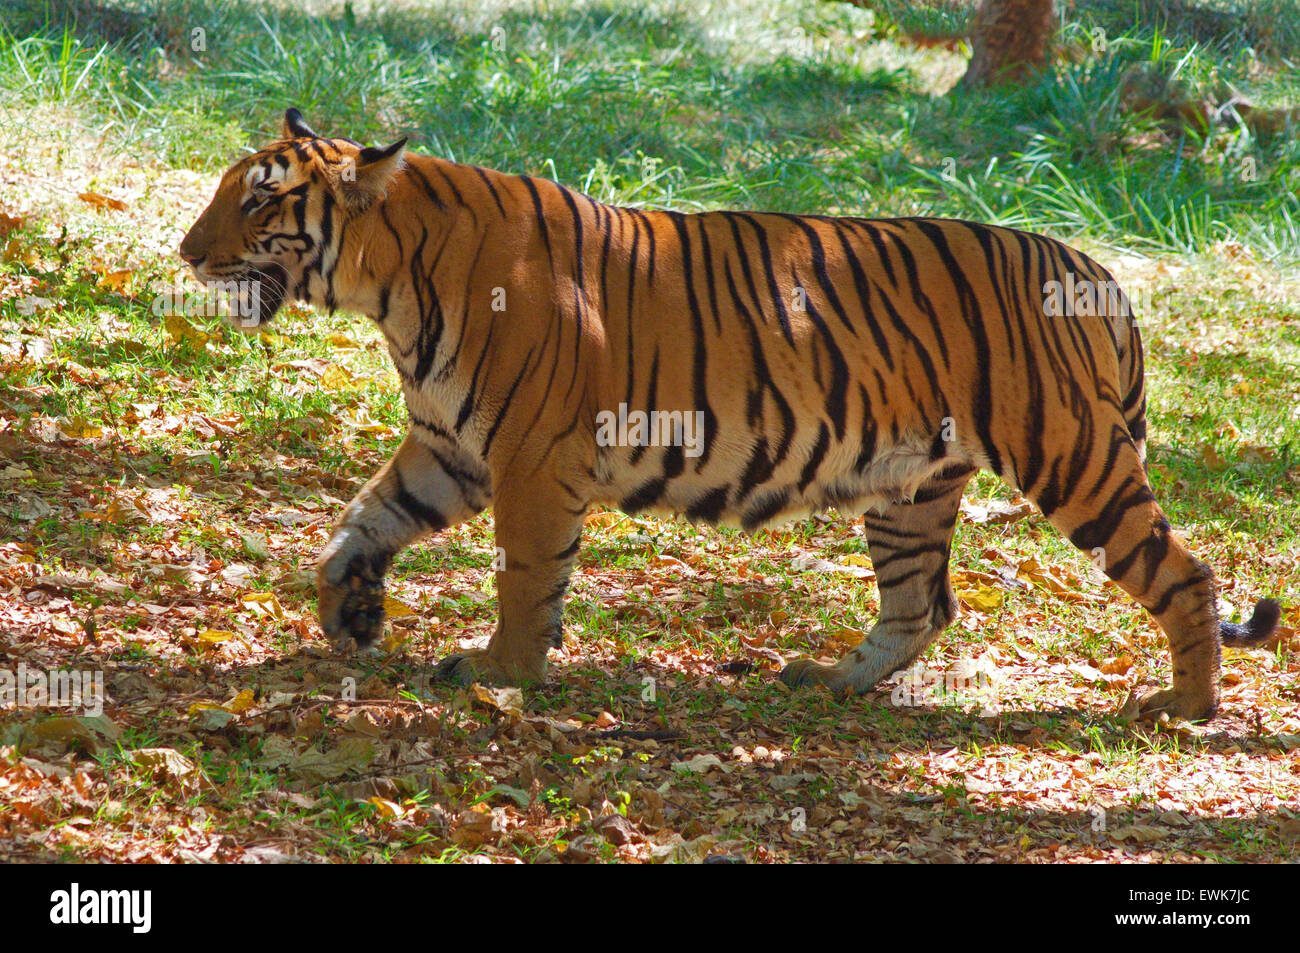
(1257, 630)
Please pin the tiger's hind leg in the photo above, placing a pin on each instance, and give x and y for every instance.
(1115, 520)
(909, 545)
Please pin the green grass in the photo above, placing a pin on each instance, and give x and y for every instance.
(794, 106)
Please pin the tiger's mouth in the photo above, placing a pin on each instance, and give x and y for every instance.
(261, 292)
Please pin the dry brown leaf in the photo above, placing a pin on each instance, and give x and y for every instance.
(102, 201)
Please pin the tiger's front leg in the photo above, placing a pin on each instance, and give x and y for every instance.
(538, 530)
(422, 489)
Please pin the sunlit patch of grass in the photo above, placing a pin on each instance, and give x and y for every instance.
(790, 106)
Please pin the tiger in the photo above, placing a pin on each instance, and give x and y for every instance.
(738, 368)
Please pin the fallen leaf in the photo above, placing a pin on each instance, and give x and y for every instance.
(981, 598)
(169, 764)
(116, 280)
(397, 609)
(698, 764)
(507, 700)
(79, 428)
(263, 604)
(102, 201)
(1139, 833)
(181, 331)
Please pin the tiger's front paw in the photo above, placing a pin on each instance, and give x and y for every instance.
(479, 665)
(351, 602)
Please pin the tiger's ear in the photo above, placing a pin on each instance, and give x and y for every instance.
(367, 181)
(295, 128)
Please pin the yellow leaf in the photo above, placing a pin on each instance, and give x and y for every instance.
(509, 701)
(855, 559)
(335, 377)
(237, 705)
(342, 341)
(181, 331)
(982, 598)
(241, 702)
(263, 604)
(363, 423)
(1031, 571)
(17, 250)
(116, 280)
(396, 608)
(849, 636)
(79, 428)
(386, 808)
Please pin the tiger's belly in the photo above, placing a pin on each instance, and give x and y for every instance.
(723, 491)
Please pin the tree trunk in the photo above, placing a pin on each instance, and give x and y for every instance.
(1010, 40)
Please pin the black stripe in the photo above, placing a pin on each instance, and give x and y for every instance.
(505, 405)
(708, 507)
(982, 411)
(815, 458)
(700, 354)
(765, 510)
(765, 255)
(418, 510)
(491, 188)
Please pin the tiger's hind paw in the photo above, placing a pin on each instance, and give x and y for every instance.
(478, 665)
(805, 672)
(1170, 702)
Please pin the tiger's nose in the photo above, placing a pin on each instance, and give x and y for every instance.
(188, 258)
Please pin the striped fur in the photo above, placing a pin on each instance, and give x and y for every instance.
(867, 365)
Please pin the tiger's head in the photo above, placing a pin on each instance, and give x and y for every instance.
(273, 230)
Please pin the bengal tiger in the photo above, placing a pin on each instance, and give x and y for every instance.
(787, 364)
